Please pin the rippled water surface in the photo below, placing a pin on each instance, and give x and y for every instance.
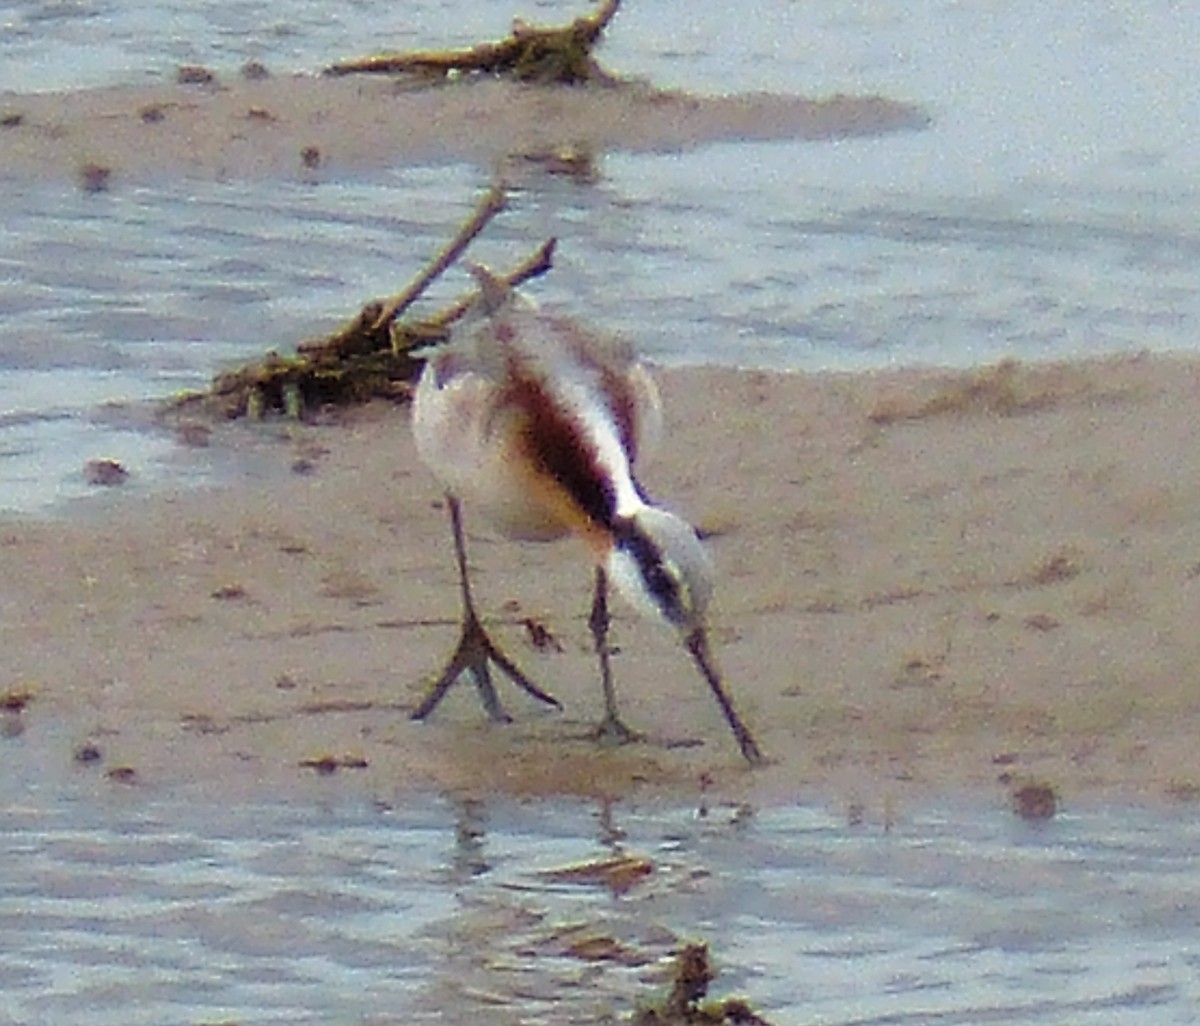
(1050, 210)
(123, 910)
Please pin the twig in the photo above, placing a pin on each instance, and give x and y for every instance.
(586, 29)
(537, 263)
(491, 204)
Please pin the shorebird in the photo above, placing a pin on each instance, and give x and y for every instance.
(538, 424)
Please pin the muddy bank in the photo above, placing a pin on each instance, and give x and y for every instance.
(309, 127)
(927, 581)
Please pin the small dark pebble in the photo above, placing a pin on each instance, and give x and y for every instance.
(94, 177)
(14, 701)
(194, 74)
(122, 775)
(104, 472)
(310, 157)
(1035, 802)
(229, 592)
(11, 120)
(255, 71)
(87, 752)
(194, 435)
(151, 114)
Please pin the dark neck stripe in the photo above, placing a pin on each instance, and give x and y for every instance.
(662, 587)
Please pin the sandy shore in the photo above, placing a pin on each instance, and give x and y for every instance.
(928, 582)
(310, 128)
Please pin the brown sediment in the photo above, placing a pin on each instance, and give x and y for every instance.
(965, 600)
(258, 128)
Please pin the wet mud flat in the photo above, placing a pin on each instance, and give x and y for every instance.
(1035, 625)
(311, 127)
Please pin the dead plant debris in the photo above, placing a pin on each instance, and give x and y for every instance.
(540, 636)
(374, 356)
(693, 972)
(559, 55)
(619, 874)
(325, 765)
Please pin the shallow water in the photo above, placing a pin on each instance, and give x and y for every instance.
(127, 909)
(1050, 211)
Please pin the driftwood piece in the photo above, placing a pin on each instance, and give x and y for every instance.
(372, 356)
(560, 55)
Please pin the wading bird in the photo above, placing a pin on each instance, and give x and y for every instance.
(537, 424)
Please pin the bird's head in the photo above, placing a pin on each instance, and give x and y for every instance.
(660, 566)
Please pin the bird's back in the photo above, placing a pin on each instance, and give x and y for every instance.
(534, 419)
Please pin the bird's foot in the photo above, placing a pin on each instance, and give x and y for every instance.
(611, 732)
(475, 653)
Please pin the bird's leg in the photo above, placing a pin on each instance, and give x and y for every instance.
(697, 645)
(610, 729)
(475, 648)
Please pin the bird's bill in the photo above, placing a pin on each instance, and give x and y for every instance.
(697, 644)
